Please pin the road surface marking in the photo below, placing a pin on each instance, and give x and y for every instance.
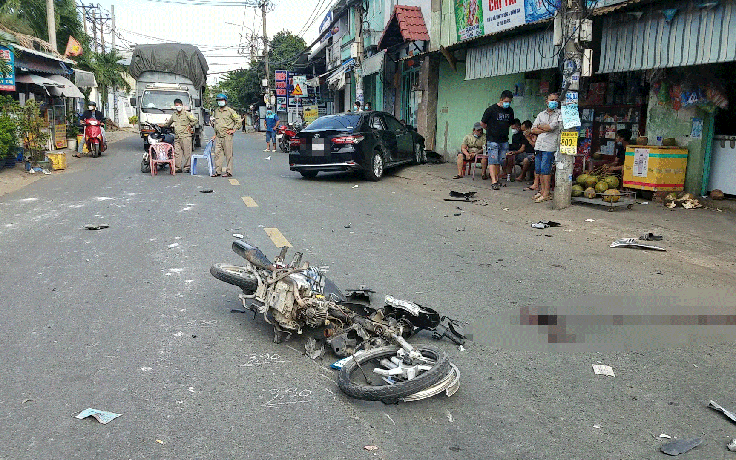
(249, 202)
(277, 238)
(234, 182)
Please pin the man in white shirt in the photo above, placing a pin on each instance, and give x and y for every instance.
(547, 127)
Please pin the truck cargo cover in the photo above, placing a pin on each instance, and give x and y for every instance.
(176, 58)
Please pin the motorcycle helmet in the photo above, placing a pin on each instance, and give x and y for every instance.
(92, 103)
(221, 96)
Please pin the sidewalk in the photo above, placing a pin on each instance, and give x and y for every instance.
(703, 237)
(17, 178)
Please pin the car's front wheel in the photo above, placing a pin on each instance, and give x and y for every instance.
(374, 168)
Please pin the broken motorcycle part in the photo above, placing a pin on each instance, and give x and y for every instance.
(467, 195)
(368, 375)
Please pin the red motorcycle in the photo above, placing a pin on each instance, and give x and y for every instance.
(285, 133)
(93, 137)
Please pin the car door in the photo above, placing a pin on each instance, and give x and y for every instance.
(385, 137)
(404, 138)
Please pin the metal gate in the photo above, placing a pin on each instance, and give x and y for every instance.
(409, 101)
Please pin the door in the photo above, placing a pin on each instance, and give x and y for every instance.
(385, 137)
(404, 138)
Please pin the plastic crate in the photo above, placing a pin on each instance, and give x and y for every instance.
(58, 160)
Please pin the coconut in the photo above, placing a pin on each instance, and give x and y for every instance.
(581, 179)
(611, 195)
(589, 192)
(716, 194)
(577, 190)
(591, 180)
(601, 186)
(612, 181)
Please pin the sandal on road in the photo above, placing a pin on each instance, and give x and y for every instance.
(495, 186)
(529, 188)
(458, 177)
(541, 199)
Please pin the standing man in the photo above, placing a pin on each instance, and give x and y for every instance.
(225, 120)
(496, 121)
(183, 122)
(547, 127)
(271, 121)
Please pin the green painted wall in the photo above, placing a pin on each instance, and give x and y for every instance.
(461, 103)
(666, 122)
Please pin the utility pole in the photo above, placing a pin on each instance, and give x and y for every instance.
(94, 29)
(102, 33)
(114, 89)
(84, 18)
(112, 30)
(571, 12)
(359, 58)
(264, 4)
(51, 23)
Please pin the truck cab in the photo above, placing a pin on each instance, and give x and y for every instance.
(155, 104)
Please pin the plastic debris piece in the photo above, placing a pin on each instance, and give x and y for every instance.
(545, 224)
(461, 348)
(602, 369)
(732, 445)
(159, 441)
(631, 243)
(355, 186)
(370, 448)
(589, 220)
(597, 427)
(313, 349)
(102, 416)
(338, 364)
(209, 190)
(268, 158)
(681, 446)
(173, 245)
(665, 436)
(96, 227)
(237, 235)
(348, 225)
(713, 405)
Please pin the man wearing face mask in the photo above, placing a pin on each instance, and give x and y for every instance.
(225, 121)
(183, 122)
(496, 121)
(272, 120)
(547, 127)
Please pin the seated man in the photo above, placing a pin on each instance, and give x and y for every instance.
(526, 158)
(521, 151)
(472, 145)
(623, 138)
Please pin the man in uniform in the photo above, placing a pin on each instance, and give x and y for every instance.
(225, 121)
(183, 122)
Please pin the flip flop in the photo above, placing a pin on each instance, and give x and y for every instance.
(537, 195)
(529, 189)
(76, 155)
(458, 177)
(541, 199)
(495, 186)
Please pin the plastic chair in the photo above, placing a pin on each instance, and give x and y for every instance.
(478, 159)
(207, 155)
(161, 153)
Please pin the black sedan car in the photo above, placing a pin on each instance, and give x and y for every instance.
(369, 142)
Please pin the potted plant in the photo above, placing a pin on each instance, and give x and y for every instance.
(33, 133)
(72, 130)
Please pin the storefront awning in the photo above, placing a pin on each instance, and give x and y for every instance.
(681, 35)
(406, 25)
(523, 53)
(336, 81)
(68, 88)
(84, 79)
(31, 79)
(373, 64)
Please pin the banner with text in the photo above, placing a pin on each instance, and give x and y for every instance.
(475, 18)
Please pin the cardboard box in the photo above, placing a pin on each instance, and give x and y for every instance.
(655, 168)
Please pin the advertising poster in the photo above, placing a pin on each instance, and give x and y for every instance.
(280, 78)
(569, 142)
(536, 10)
(281, 104)
(7, 83)
(311, 113)
(499, 15)
(469, 19)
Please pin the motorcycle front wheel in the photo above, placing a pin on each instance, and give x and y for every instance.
(358, 380)
(95, 150)
(235, 275)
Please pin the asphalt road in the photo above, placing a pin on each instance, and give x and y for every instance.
(129, 320)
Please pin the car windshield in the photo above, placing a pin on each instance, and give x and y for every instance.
(157, 101)
(343, 122)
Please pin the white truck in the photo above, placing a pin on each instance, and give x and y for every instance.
(165, 72)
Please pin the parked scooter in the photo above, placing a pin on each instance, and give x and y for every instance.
(285, 133)
(93, 137)
(381, 364)
(159, 135)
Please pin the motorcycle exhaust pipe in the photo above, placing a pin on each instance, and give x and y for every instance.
(253, 255)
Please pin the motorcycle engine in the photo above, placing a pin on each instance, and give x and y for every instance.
(297, 300)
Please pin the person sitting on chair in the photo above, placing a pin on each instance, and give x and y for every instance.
(623, 138)
(472, 145)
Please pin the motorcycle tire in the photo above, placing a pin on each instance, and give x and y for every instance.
(95, 150)
(386, 392)
(145, 166)
(283, 146)
(237, 276)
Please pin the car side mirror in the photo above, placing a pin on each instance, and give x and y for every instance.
(132, 102)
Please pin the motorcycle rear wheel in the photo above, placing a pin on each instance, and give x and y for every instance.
(389, 393)
(95, 150)
(235, 275)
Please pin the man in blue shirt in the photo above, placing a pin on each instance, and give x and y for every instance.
(272, 121)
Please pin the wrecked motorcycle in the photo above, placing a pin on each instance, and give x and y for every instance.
(380, 365)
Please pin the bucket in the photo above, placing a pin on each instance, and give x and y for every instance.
(71, 143)
(58, 160)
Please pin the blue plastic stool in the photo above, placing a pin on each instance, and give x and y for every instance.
(206, 156)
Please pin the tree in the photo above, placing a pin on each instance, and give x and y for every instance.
(29, 17)
(108, 72)
(243, 86)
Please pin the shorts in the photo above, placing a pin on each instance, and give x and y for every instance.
(523, 156)
(543, 162)
(270, 136)
(497, 152)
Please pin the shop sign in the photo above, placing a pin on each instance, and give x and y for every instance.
(311, 113)
(569, 142)
(475, 18)
(8, 82)
(60, 136)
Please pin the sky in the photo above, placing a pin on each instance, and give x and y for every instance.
(216, 30)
